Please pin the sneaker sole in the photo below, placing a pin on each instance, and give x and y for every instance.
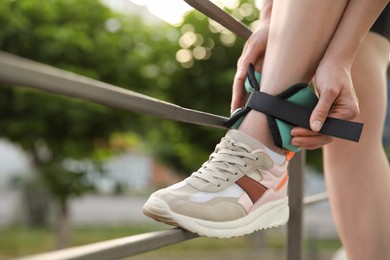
(270, 215)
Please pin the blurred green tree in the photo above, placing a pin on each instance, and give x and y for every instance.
(87, 38)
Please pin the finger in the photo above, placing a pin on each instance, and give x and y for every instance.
(310, 147)
(300, 131)
(321, 110)
(311, 142)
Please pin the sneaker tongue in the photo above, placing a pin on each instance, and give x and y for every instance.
(244, 138)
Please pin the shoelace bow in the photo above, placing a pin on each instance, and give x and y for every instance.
(224, 161)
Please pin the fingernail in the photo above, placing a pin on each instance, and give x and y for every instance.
(316, 125)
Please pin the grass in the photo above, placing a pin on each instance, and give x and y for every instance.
(22, 241)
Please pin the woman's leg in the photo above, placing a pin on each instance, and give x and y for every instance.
(300, 32)
(358, 174)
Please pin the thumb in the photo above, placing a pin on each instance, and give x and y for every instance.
(320, 113)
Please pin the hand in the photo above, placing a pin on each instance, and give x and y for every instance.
(337, 97)
(253, 52)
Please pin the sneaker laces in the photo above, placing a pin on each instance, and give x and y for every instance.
(223, 162)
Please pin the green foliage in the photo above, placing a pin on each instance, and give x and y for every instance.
(90, 39)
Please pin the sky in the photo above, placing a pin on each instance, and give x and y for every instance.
(170, 11)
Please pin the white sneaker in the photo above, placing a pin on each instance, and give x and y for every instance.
(239, 190)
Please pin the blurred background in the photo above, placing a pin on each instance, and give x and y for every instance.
(74, 172)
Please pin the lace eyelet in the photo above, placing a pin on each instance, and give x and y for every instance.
(219, 185)
(227, 179)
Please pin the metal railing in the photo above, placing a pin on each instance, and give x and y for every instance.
(17, 71)
(120, 247)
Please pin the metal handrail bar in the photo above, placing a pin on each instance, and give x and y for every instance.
(315, 198)
(118, 248)
(294, 239)
(217, 14)
(19, 71)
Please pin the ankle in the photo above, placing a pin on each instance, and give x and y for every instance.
(256, 125)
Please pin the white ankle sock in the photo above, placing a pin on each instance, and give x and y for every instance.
(277, 158)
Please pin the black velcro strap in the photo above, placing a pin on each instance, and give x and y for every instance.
(299, 116)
